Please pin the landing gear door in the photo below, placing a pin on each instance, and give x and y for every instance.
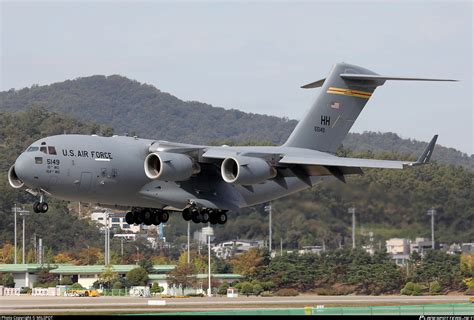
(86, 180)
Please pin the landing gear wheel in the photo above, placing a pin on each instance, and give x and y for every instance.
(129, 218)
(204, 217)
(221, 217)
(147, 217)
(156, 220)
(187, 215)
(138, 217)
(164, 216)
(213, 219)
(36, 208)
(43, 206)
(196, 217)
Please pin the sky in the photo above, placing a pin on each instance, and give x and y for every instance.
(254, 56)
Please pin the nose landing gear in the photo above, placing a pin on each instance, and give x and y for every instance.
(40, 206)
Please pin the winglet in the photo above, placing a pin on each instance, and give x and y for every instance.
(426, 155)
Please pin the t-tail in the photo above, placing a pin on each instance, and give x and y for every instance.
(344, 94)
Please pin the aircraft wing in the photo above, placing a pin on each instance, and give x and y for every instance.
(361, 163)
(344, 162)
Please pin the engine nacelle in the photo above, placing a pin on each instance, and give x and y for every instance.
(168, 166)
(246, 170)
(13, 179)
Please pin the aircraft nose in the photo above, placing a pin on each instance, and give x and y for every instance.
(23, 167)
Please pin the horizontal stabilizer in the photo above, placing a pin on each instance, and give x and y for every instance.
(315, 84)
(351, 76)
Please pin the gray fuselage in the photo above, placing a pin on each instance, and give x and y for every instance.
(110, 171)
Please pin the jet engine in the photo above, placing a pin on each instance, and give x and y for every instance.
(168, 166)
(246, 170)
(13, 179)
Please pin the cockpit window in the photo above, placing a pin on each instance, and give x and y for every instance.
(31, 149)
(51, 150)
(44, 150)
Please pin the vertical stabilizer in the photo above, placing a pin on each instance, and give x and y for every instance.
(335, 109)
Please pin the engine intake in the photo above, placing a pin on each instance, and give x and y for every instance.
(168, 166)
(246, 170)
(13, 179)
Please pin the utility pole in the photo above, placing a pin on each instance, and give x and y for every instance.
(14, 257)
(269, 210)
(281, 247)
(138, 252)
(40, 251)
(106, 239)
(23, 214)
(35, 248)
(208, 231)
(432, 213)
(121, 247)
(189, 234)
(352, 211)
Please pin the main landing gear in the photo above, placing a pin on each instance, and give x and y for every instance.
(205, 215)
(40, 206)
(147, 216)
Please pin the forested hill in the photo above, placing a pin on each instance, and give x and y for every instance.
(131, 107)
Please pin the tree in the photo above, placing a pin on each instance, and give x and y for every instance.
(155, 288)
(108, 277)
(222, 290)
(257, 289)
(7, 280)
(246, 288)
(65, 257)
(435, 287)
(184, 275)
(146, 264)
(65, 281)
(45, 279)
(247, 263)
(137, 276)
(76, 286)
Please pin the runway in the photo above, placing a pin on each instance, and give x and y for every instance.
(128, 305)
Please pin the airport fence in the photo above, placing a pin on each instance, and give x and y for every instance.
(115, 292)
(465, 309)
(427, 309)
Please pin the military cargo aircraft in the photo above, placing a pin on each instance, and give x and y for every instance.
(152, 178)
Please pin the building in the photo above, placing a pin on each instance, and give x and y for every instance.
(400, 259)
(311, 249)
(397, 246)
(87, 275)
(227, 249)
(116, 220)
(25, 275)
(421, 245)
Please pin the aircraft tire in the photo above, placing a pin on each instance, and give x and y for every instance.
(129, 218)
(147, 217)
(221, 218)
(156, 219)
(43, 206)
(36, 207)
(164, 216)
(187, 216)
(139, 217)
(213, 219)
(204, 216)
(196, 218)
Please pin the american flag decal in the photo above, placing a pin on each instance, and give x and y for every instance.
(335, 105)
